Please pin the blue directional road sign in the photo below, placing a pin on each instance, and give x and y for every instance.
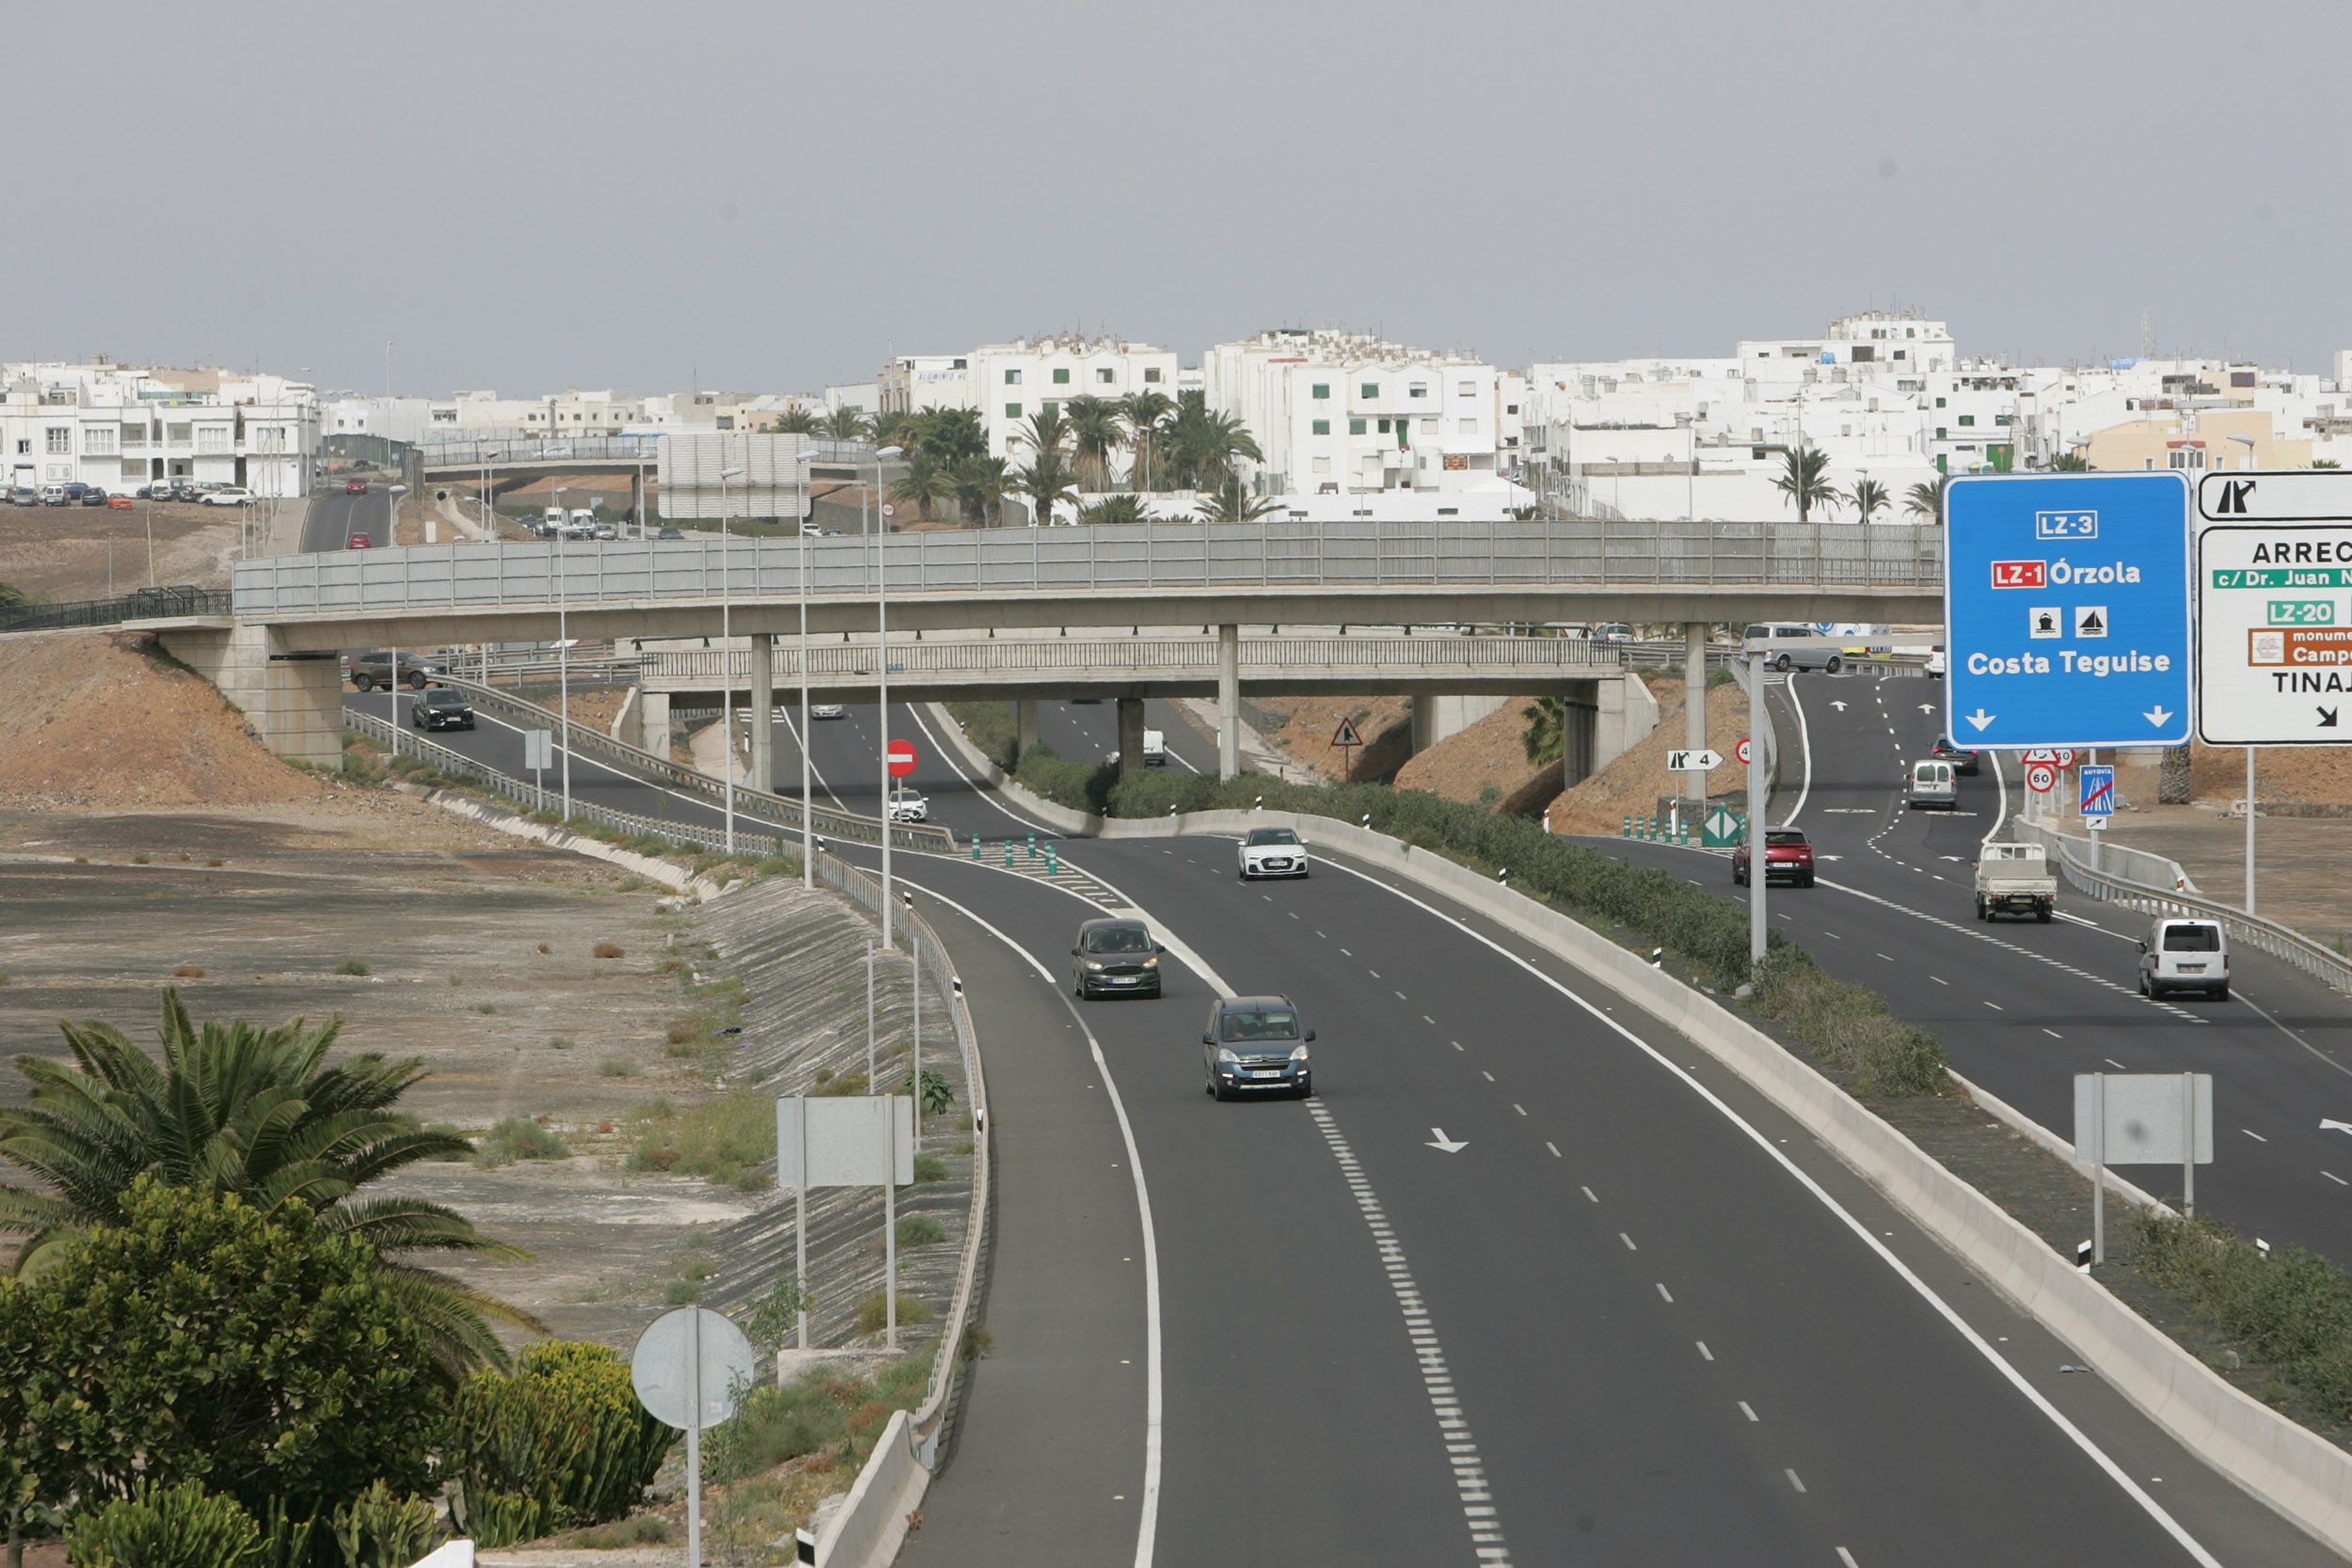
(2098, 785)
(2066, 609)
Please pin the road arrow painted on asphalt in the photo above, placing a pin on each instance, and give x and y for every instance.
(2327, 1125)
(1453, 1148)
(2156, 716)
(1981, 719)
(1929, 708)
(1839, 705)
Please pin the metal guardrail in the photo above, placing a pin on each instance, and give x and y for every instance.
(1147, 558)
(2288, 946)
(757, 805)
(140, 604)
(1122, 657)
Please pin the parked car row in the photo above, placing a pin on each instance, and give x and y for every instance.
(76, 493)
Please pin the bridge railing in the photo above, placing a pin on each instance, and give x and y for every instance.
(1152, 557)
(140, 604)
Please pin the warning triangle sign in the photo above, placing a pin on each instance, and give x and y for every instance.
(1345, 735)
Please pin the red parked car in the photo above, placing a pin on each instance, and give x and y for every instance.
(355, 488)
(1788, 857)
(359, 542)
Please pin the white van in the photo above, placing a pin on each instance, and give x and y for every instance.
(2186, 954)
(551, 522)
(1793, 645)
(1154, 749)
(1932, 785)
(583, 524)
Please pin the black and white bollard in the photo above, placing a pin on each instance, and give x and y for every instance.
(2082, 1257)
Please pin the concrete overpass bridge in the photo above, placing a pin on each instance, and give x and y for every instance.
(291, 614)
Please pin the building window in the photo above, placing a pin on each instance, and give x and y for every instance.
(1355, 427)
(2001, 419)
(1512, 408)
(99, 440)
(1012, 378)
(1466, 389)
(1051, 408)
(61, 438)
(959, 364)
(1322, 389)
(1323, 427)
(1012, 411)
(24, 448)
(1967, 419)
(1372, 388)
(1939, 433)
(1418, 389)
(1104, 374)
(1150, 375)
(1383, 427)
(1449, 511)
(726, 421)
(1911, 332)
(1466, 427)
(134, 435)
(1323, 464)
(134, 467)
(212, 439)
(1939, 403)
(1429, 427)
(1061, 375)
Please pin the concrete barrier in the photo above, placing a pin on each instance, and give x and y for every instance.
(2295, 1471)
(871, 1524)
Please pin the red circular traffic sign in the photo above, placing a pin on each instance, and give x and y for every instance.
(2065, 757)
(901, 755)
(2041, 778)
(1742, 751)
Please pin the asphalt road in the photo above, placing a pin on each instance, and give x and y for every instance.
(1634, 1317)
(336, 516)
(2021, 1007)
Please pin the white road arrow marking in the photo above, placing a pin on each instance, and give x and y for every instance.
(1927, 707)
(2327, 1125)
(1981, 719)
(2157, 715)
(1840, 706)
(1954, 859)
(1451, 1147)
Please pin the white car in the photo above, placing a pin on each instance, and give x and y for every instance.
(827, 710)
(1272, 852)
(907, 806)
(1935, 662)
(228, 495)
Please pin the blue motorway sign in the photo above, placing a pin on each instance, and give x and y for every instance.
(2066, 609)
(2098, 787)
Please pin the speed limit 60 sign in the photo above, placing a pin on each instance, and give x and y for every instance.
(2040, 778)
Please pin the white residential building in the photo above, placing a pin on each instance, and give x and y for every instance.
(118, 427)
(1344, 413)
(1009, 382)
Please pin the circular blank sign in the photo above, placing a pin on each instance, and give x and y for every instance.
(663, 1365)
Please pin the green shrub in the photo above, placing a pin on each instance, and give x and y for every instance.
(848, 1083)
(939, 1095)
(680, 1293)
(351, 966)
(644, 1529)
(559, 1443)
(988, 726)
(2292, 1309)
(872, 1312)
(170, 1526)
(930, 1168)
(383, 1529)
(616, 1067)
(518, 1138)
(776, 1319)
(920, 1230)
(815, 1412)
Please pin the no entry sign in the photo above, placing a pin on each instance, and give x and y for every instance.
(901, 755)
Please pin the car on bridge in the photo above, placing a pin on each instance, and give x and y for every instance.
(1256, 1045)
(1272, 852)
(359, 542)
(355, 488)
(670, 530)
(374, 668)
(441, 707)
(827, 710)
(1114, 958)
(1787, 855)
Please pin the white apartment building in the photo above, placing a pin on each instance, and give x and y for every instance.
(118, 427)
(1344, 413)
(1008, 382)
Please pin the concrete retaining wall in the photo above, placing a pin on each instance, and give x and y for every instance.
(867, 1531)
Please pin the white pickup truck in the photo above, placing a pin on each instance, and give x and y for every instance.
(2014, 878)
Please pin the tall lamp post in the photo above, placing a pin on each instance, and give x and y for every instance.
(881, 673)
(2247, 442)
(799, 577)
(726, 648)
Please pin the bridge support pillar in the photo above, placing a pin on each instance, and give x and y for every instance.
(1626, 714)
(1227, 701)
(650, 722)
(1438, 717)
(294, 702)
(1130, 735)
(1692, 787)
(1579, 729)
(763, 710)
(636, 502)
(1024, 728)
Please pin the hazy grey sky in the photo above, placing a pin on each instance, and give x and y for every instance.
(777, 196)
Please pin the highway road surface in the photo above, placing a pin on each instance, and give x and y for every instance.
(1527, 1281)
(336, 516)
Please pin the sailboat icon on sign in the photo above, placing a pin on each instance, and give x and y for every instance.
(2091, 620)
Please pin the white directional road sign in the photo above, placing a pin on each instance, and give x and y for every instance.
(2066, 608)
(2274, 621)
(2297, 496)
(1693, 762)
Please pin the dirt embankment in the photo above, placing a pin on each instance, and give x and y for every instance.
(1301, 728)
(95, 720)
(1632, 784)
(1485, 764)
(61, 553)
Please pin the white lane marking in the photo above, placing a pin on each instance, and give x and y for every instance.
(1148, 1524)
(1520, 1108)
(1745, 1409)
(1846, 1557)
(1666, 1295)
(1885, 1254)
(2334, 1178)
(2000, 793)
(2053, 1033)
(1939, 979)
(1487, 1076)
(1805, 744)
(1470, 1471)
(1704, 1353)
(2110, 1060)
(1793, 1481)
(1555, 1150)
(1996, 1007)
(1588, 1194)
(1627, 1241)
(914, 711)
(2252, 1133)
(815, 772)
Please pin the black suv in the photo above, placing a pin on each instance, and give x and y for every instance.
(1962, 759)
(374, 668)
(1114, 957)
(1255, 1045)
(441, 708)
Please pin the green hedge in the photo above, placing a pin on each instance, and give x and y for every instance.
(2293, 1309)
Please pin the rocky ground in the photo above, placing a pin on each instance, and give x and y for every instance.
(1632, 784)
(62, 552)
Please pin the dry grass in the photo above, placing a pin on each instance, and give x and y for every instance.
(610, 950)
(187, 972)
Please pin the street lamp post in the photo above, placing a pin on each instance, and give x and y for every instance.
(808, 861)
(726, 649)
(881, 675)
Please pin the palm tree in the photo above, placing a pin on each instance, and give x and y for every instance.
(796, 421)
(926, 480)
(1926, 500)
(1114, 511)
(2070, 463)
(1147, 414)
(1203, 446)
(898, 429)
(1047, 479)
(847, 424)
(980, 485)
(1045, 432)
(235, 1108)
(1805, 480)
(1094, 434)
(1543, 740)
(1869, 496)
(1229, 503)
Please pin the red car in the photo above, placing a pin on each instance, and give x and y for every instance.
(1787, 856)
(355, 488)
(359, 542)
